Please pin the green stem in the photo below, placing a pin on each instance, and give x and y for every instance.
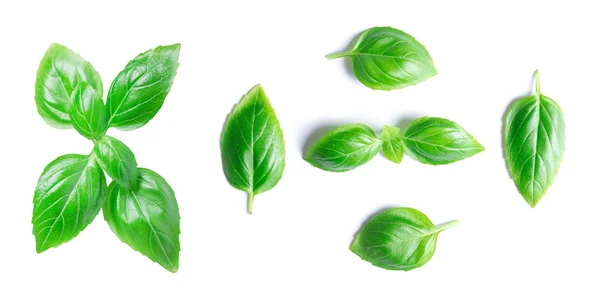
(537, 82)
(250, 202)
(447, 225)
(337, 55)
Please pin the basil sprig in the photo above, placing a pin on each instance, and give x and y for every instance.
(534, 143)
(139, 205)
(386, 58)
(429, 140)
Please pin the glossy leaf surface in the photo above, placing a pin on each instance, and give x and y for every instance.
(117, 160)
(61, 71)
(146, 218)
(252, 146)
(68, 196)
(433, 140)
(392, 144)
(534, 144)
(398, 239)
(385, 58)
(88, 113)
(139, 91)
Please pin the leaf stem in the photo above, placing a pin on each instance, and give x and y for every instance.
(537, 82)
(447, 225)
(337, 55)
(250, 202)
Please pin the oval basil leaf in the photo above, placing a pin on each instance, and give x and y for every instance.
(68, 196)
(252, 146)
(534, 143)
(61, 71)
(398, 239)
(344, 148)
(385, 58)
(117, 160)
(139, 91)
(392, 144)
(146, 218)
(433, 140)
(88, 113)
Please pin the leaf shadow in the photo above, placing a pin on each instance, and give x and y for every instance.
(505, 115)
(316, 134)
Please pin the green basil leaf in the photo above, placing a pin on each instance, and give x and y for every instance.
(398, 239)
(146, 218)
(61, 71)
(534, 143)
(435, 141)
(385, 58)
(139, 91)
(68, 196)
(392, 144)
(252, 146)
(117, 160)
(344, 148)
(88, 113)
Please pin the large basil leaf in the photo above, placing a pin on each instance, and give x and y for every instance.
(398, 239)
(117, 160)
(139, 91)
(61, 71)
(433, 140)
(68, 196)
(146, 218)
(344, 148)
(252, 146)
(392, 144)
(385, 58)
(534, 143)
(88, 113)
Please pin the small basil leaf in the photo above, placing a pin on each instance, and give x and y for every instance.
(392, 144)
(398, 239)
(139, 91)
(435, 141)
(117, 160)
(88, 113)
(146, 218)
(68, 196)
(252, 146)
(61, 71)
(344, 148)
(385, 58)
(534, 143)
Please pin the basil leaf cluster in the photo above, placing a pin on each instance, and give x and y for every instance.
(398, 239)
(429, 140)
(252, 146)
(534, 143)
(139, 205)
(386, 58)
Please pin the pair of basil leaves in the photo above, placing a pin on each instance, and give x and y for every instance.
(429, 140)
(139, 205)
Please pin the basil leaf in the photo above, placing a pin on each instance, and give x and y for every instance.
(68, 196)
(117, 160)
(146, 218)
(139, 91)
(252, 146)
(345, 148)
(534, 143)
(61, 71)
(88, 113)
(435, 141)
(385, 58)
(392, 144)
(398, 239)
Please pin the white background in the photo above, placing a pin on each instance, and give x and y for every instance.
(295, 245)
